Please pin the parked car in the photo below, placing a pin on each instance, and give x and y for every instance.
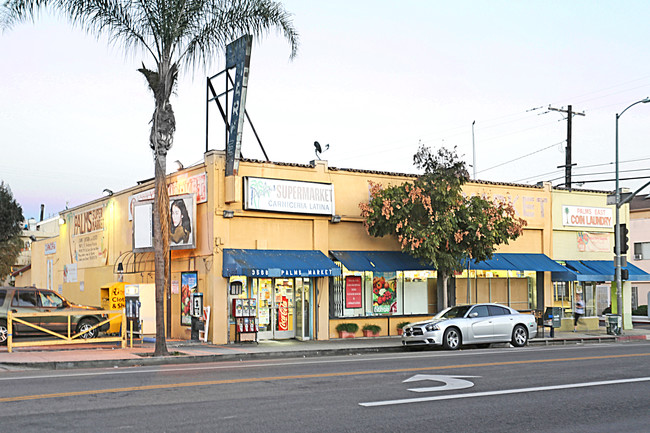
(479, 324)
(33, 300)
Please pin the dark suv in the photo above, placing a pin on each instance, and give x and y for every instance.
(32, 300)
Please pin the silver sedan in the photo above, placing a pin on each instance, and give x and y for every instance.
(479, 324)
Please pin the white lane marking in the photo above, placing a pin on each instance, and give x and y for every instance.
(502, 392)
(450, 382)
(270, 363)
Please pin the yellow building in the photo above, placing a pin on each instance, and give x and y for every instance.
(281, 249)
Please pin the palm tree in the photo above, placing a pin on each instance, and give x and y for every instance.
(177, 35)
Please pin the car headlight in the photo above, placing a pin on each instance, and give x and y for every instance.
(432, 327)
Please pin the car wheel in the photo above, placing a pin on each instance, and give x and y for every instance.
(451, 340)
(3, 332)
(86, 324)
(519, 336)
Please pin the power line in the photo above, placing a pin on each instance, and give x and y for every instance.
(537, 176)
(521, 157)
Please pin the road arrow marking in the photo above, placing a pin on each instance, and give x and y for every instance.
(450, 382)
(503, 392)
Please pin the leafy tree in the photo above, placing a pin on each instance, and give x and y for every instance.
(175, 35)
(11, 219)
(435, 222)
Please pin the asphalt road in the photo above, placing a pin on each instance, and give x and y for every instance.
(592, 388)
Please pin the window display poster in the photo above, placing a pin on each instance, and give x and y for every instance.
(189, 285)
(384, 299)
(353, 291)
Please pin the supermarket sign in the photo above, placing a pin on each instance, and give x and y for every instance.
(587, 216)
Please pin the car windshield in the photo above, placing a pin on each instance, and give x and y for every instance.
(454, 312)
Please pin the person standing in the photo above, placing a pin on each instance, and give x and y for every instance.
(579, 311)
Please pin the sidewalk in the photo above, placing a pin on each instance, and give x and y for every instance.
(185, 352)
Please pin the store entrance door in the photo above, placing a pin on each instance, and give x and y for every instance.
(277, 311)
(303, 289)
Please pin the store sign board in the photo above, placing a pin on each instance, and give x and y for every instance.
(287, 273)
(180, 185)
(50, 248)
(88, 237)
(587, 216)
(353, 291)
(288, 196)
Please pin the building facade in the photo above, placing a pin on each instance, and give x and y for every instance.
(281, 249)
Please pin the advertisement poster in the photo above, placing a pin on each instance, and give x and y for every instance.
(70, 273)
(189, 285)
(353, 291)
(594, 242)
(283, 315)
(384, 299)
(182, 228)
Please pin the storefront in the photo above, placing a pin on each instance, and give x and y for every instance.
(282, 284)
(583, 241)
(281, 249)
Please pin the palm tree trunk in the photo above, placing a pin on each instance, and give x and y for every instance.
(161, 249)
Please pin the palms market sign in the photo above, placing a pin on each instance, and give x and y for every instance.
(287, 196)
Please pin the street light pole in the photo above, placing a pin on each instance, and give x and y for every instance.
(617, 230)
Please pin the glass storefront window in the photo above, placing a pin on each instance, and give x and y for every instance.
(356, 294)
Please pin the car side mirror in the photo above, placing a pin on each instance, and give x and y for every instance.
(474, 314)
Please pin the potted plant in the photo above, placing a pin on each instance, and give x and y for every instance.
(400, 327)
(370, 330)
(347, 330)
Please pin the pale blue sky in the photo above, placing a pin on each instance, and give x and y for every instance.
(372, 79)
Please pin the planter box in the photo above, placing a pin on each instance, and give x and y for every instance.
(400, 331)
(369, 334)
(346, 334)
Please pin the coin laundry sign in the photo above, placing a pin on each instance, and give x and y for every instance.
(276, 195)
(587, 216)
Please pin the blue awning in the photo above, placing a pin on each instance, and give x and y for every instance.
(525, 262)
(533, 262)
(380, 261)
(518, 262)
(278, 263)
(604, 270)
(585, 273)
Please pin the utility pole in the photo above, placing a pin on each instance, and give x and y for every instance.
(568, 164)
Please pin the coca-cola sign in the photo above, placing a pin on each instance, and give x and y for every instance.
(283, 315)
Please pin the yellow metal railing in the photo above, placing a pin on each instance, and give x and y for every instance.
(69, 337)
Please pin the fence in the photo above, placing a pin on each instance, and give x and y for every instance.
(69, 337)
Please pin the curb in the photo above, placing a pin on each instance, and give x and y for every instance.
(250, 356)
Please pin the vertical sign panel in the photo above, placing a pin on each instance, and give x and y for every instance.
(352, 291)
(238, 55)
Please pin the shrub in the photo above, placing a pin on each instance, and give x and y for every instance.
(401, 325)
(641, 310)
(347, 327)
(372, 328)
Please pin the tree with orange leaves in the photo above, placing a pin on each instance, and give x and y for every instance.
(435, 222)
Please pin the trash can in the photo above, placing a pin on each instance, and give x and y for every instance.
(614, 324)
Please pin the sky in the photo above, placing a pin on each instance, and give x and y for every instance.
(373, 79)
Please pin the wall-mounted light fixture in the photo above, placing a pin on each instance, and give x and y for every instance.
(179, 165)
(107, 192)
(228, 213)
(336, 219)
(61, 220)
